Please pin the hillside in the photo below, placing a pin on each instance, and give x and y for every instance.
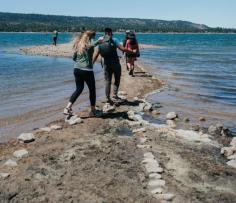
(41, 23)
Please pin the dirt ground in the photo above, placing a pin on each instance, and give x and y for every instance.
(98, 161)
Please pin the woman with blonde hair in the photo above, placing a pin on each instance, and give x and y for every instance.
(83, 70)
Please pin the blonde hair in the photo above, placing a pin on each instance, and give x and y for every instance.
(83, 41)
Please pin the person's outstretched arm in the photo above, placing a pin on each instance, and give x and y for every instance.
(120, 47)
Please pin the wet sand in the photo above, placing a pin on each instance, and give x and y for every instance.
(102, 159)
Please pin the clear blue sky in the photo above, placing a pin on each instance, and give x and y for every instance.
(210, 12)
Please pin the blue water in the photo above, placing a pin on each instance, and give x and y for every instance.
(199, 71)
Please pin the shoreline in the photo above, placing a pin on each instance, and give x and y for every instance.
(119, 158)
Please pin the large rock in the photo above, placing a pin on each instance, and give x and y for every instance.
(21, 154)
(215, 129)
(10, 163)
(171, 116)
(232, 163)
(26, 138)
(74, 120)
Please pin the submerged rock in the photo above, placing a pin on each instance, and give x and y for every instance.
(10, 163)
(186, 120)
(145, 107)
(21, 153)
(26, 137)
(202, 119)
(171, 116)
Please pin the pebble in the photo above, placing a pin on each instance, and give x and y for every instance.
(144, 146)
(143, 140)
(232, 157)
(215, 129)
(10, 163)
(56, 127)
(124, 93)
(171, 116)
(171, 123)
(150, 160)
(26, 138)
(202, 119)
(149, 155)
(228, 151)
(136, 123)
(186, 120)
(232, 163)
(140, 130)
(21, 154)
(4, 175)
(167, 197)
(74, 120)
(153, 168)
(155, 112)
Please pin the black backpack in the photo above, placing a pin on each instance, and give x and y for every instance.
(108, 49)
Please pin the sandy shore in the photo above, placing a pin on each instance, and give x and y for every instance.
(119, 158)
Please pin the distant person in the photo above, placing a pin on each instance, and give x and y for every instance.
(132, 45)
(83, 71)
(127, 32)
(108, 51)
(55, 37)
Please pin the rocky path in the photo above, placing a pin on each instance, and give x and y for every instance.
(117, 158)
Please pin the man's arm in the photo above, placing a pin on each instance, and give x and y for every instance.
(95, 56)
(120, 47)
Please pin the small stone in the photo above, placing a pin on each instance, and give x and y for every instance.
(21, 154)
(150, 160)
(186, 120)
(167, 197)
(56, 127)
(4, 175)
(196, 128)
(143, 140)
(140, 130)
(232, 163)
(202, 119)
(155, 176)
(134, 123)
(10, 163)
(149, 155)
(46, 129)
(74, 120)
(215, 129)
(124, 93)
(155, 112)
(156, 183)
(228, 151)
(171, 116)
(233, 142)
(144, 146)
(153, 168)
(107, 108)
(26, 138)
(171, 123)
(158, 190)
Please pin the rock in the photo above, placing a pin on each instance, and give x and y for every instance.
(171, 123)
(46, 129)
(26, 137)
(133, 124)
(167, 197)
(233, 142)
(56, 127)
(196, 128)
(232, 157)
(156, 106)
(232, 163)
(202, 119)
(123, 98)
(107, 108)
(215, 129)
(143, 140)
(171, 116)
(155, 112)
(150, 160)
(4, 175)
(10, 163)
(145, 106)
(157, 190)
(156, 183)
(140, 130)
(122, 93)
(149, 155)
(74, 120)
(144, 146)
(21, 153)
(153, 168)
(155, 176)
(228, 151)
(186, 120)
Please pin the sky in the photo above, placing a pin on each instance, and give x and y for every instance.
(213, 13)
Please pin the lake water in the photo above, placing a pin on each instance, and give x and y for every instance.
(199, 71)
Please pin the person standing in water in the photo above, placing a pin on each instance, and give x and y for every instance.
(108, 51)
(83, 71)
(54, 37)
(132, 44)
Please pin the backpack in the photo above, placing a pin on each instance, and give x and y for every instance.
(108, 49)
